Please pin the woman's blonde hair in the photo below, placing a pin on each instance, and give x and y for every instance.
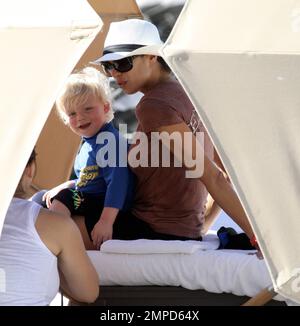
(79, 86)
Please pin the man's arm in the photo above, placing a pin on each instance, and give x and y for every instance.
(213, 178)
(213, 210)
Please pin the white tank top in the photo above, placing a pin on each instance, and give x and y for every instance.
(28, 269)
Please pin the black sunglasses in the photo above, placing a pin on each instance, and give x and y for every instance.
(122, 65)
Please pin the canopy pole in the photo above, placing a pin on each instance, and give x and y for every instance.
(263, 297)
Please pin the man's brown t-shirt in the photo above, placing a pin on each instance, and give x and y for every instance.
(168, 201)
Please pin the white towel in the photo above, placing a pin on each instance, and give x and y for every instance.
(144, 246)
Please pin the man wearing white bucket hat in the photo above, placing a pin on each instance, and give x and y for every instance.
(130, 38)
(168, 202)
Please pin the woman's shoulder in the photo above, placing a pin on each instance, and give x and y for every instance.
(55, 229)
(51, 218)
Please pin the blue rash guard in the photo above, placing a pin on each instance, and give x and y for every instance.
(114, 183)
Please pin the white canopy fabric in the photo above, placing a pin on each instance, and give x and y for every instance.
(40, 43)
(239, 62)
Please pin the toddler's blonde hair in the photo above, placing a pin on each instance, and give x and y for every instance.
(79, 86)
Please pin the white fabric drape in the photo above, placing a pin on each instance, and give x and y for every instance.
(40, 43)
(239, 62)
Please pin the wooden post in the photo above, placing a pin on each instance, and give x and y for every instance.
(262, 297)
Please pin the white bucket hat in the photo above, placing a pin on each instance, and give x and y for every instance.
(130, 37)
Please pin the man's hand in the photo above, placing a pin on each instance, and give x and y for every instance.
(259, 254)
(255, 244)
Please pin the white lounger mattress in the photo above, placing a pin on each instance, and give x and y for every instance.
(195, 265)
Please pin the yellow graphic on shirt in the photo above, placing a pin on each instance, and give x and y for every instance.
(87, 174)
